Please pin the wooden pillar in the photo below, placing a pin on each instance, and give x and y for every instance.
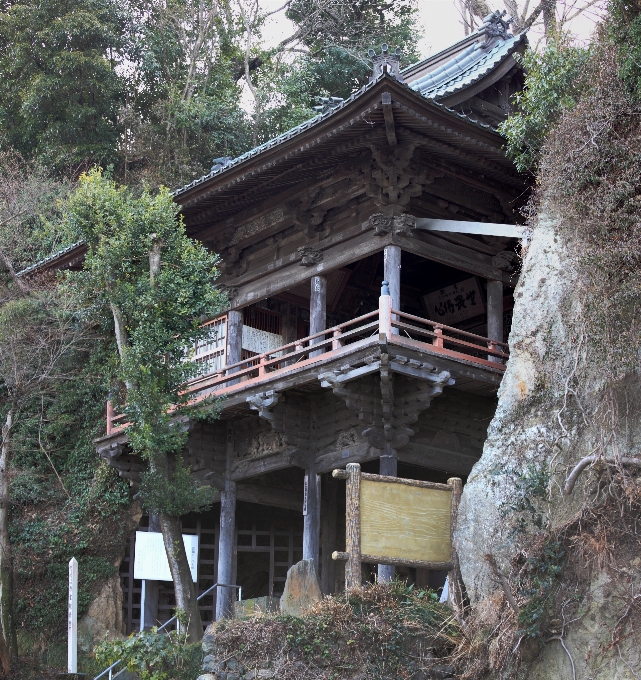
(234, 337)
(150, 610)
(226, 540)
(318, 309)
(388, 466)
(495, 313)
(328, 539)
(311, 512)
(392, 273)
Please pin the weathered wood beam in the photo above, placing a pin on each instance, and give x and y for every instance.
(245, 469)
(388, 115)
(431, 247)
(467, 158)
(438, 459)
(264, 495)
(357, 453)
(285, 275)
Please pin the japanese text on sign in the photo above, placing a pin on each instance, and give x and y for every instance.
(455, 303)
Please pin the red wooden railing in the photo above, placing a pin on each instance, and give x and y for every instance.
(399, 328)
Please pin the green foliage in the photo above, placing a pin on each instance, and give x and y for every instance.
(66, 502)
(177, 494)
(538, 583)
(555, 80)
(153, 655)
(59, 89)
(337, 60)
(624, 29)
(284, 101)
(160, 317)
(183, 109)
(524, 508)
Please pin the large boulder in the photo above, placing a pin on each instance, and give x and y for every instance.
(524, 436)
(302, 589)
(104, 616)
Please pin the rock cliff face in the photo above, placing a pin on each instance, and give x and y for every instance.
(524, 432)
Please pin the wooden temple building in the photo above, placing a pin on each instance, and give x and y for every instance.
(321, 363)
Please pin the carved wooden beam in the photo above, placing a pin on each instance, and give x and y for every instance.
(388, 115)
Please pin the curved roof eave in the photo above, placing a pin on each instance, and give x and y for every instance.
(231, 170)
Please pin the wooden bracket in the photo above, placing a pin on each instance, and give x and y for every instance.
(388, 114)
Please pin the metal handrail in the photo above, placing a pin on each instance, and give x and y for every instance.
(173, 618)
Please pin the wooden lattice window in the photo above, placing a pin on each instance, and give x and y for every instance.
(210, 352)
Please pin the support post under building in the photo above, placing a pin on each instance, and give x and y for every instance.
(311, 512)
(389, 460)
(226, 540)
(495, 313)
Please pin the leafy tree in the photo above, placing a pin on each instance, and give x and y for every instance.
(38, 333)
(182, 109)
(555, 80)
(624, 28)
(59, 90)
(154, 284)
(29, 199)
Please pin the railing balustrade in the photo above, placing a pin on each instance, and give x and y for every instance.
(399, 328)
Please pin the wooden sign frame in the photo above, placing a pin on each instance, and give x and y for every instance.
(353, 554)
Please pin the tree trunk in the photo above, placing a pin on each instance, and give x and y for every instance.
(184, 587)
(8, 643)
(549, 18)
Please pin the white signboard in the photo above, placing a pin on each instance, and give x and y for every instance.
(150, 562)
(260, 341)
(455, 303)
(72, 618)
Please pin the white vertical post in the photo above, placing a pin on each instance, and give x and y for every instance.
(72, 618)
(392, 274)
(143, 588)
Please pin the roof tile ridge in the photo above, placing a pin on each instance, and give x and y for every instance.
(275, 141)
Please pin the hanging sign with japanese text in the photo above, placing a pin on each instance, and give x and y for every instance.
(455, 303)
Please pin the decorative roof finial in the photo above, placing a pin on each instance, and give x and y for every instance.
(495, 26)
(220, 163)
(328, 104)
(386, 63)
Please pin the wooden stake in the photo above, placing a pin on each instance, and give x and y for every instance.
(455, 580)
(353, 533)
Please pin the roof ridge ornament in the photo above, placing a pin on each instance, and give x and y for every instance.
(495, 26)
(328, 104)
(386, 63)
(221, 163)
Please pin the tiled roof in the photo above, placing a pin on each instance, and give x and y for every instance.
(459, 72)
(466, 68)
(46, 260)
(276, 140)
